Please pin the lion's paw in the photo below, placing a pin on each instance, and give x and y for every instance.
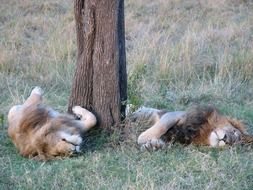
(153, 144)
(37, 90)
(77, 110)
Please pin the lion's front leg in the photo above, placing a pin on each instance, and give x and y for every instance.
(151, 138)
(87, 119)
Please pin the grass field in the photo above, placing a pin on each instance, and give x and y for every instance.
(179, 53)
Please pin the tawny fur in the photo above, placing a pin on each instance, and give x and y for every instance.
(200, 125)
(40, 132)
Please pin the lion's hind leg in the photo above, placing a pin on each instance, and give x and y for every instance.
(151, 138)
(87, 119)
(35, 97)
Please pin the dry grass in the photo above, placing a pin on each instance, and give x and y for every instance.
(189, 50)
(178, 53)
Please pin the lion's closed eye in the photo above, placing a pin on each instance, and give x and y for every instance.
(73, 139)
(69, 146)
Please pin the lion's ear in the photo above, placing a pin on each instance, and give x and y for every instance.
(237, 124)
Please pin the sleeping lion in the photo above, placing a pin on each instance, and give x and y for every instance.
(200, 125)
(42, 133)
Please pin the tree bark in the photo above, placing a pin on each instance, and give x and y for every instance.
(100, 80)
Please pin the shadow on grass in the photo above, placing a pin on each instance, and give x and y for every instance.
(97, 139)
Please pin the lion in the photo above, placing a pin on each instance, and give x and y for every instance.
(42, 133)
(200, 125)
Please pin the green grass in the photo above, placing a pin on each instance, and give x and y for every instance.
(125, 167)
(179, 53)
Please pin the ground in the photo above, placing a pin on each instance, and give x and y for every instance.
(179, 53)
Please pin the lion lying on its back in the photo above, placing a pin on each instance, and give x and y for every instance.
(200, 125)
(40, 132)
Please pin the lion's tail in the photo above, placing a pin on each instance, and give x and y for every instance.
(145, 114)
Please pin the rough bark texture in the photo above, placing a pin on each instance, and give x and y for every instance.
(100, 80)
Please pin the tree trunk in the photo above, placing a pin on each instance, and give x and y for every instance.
(100, 80)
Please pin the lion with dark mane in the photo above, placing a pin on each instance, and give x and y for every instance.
(200, 125)
(41, 132)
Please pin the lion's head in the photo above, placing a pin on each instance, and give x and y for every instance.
(204, 125)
